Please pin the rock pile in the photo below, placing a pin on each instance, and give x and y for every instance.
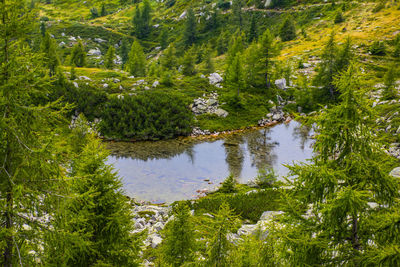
(208, 105)
(275, 116)
(152, 219)
(394, 150)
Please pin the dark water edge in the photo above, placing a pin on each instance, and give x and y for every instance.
(170, 170)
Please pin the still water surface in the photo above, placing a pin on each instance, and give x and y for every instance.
(165, 171)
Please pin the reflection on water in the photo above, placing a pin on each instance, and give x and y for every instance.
(165, 171)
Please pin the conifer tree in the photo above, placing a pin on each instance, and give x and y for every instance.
(234, 74)
(288, 30)
(189, 34)
(124, 53)
(236, 46)
(188, 63)
(268, 51)
(48, 47)
(73, 73)
(137, 22)
(43, 29)
(254, 67)
(179, 242)
(329, 210)
(168, 58)
(146, 18)
(109, 58)
(78, 55)
(253, 31)
(237, 12)
(218, 244)
(164, 39)
(97, 222)
(31, 176)
(396, 52)
(103, 11)
(207, 60)
(389, 91)
(136, 64)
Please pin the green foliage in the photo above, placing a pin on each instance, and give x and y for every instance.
(234, 74)
(348, 171)
(94, 13)
(338, 18)
(334, 61)
(269, 50)
(389, 91)
(103, 10)
(142, 20)
(208, 61)
(188, 63)
(73, 73)
(381, 5)
(280, 3)
(136, 64)
(43, 28)
(109, 58)
(253, 30)
(97, 222)
(124, 53)
(378, 48)
(164, 39)
(217, 229)
(31, 132)
(237, 15)
(229, 185)
(179, 240)
(266, 178)
(236, 46)
(78, 55)
(287, 31)
(150, 115)
(190, 32)
(48, 47)
(168, 58)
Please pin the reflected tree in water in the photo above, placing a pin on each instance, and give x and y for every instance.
(302, 132)
(261, 149)
(234, 154)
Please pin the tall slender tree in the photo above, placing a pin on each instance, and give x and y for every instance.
(237, 14)
(30, 174)
(48, 47)
(189, 34)
(78, 55)
(136, 64)
(268, 51)
(109, 58)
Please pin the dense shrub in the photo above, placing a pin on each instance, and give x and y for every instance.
(147, 116)
(248, 206)
(339, 17)
(378, 48)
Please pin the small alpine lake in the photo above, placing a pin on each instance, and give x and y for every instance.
(170, 170)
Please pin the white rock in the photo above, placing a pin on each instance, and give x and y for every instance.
(94, 52)
(75, 84)
(215, 78)
(156, 240)
(105, 85)
(221, 113)
(395, 172)
(155, 84)
(281, 83)
(183, 15)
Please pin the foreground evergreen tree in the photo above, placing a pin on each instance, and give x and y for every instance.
(109, 58)
(78, 55)
(30, 174)
(335, 198)
(189, 34)
(136, 64)
(218, 244)
(97, 221)
(48, 47)
(179, 241)
(234, 74)
(288, 30)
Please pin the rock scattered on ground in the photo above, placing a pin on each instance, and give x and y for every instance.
(208, 105)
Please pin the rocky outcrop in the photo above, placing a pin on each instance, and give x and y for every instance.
(208, 105)
(215, 78)
(275, 116)
(395, 172)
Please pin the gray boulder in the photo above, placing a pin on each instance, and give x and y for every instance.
(215, 78)
(281, 83)
(395, 172)
(221, 113)
(94, 52)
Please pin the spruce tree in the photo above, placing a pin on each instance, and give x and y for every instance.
(109, 58)
(97, 222)
(137, 22)
(136, 64)
(164, 39)
(43, 29)
(188, 63)
(48, 47)
(333, 198)
(253, 31)
(236, 46)
(288, 30)
(31, 174)
(234, 74)
(78, 55)
(208, 61)
(268, 51)
(179, 241)
(168, 58)
(254, 66)
(124, 53)
(218, 228)
(146, 19)
(237, 14)
(103, 11)
(189, 34)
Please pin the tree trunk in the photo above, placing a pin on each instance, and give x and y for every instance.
(354, 234)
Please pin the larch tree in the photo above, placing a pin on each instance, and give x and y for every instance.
(190, 31)
(269, 50)
(189, 62)
(30, 131)
(336, 197)
(78, 55)
(234, 74)
(179, 243)
(48, 47)
(287, 31)
(109, 58)
(237, 14)
(136, 64)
